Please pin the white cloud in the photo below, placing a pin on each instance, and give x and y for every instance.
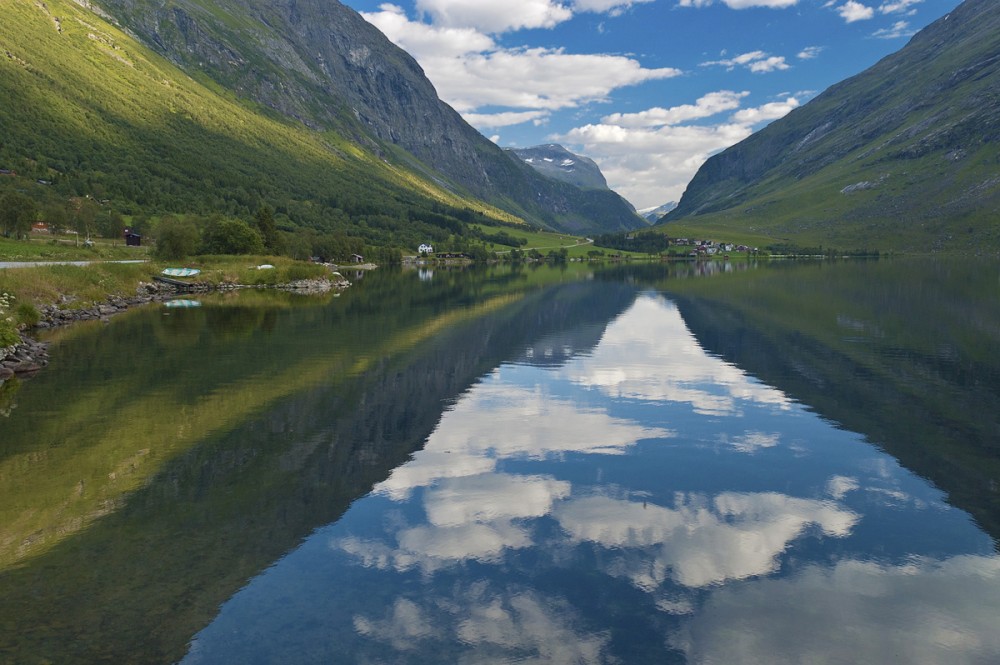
(495, 17)
(769, 111)
(899, 7)
(741, 4)
(613, 7)
(535, 79)
(471, 72)
(757, 62)
(648, 159)
(422, 40)
(706, 106)
(651, 166)
(501, 17)
(505, 119)
(769, 64)
(810, 52)
(922, 613)
(898, 30)
(852, 11)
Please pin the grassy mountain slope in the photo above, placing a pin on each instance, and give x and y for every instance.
(96, 113)
(320, 63)
(92, 111)
(903, 156)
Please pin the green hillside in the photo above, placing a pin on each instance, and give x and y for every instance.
(903, 156)
(91, 112)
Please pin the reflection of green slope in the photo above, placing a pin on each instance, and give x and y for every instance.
(93, 468)
(903, 352)
(216, 507)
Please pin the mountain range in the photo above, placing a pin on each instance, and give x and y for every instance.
(905, 155)
(557, 162)
(221, 105)
(653, 215)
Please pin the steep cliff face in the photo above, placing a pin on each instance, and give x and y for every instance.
(916, 134)
(319, 62)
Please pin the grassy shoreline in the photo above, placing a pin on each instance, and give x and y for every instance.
(26, 291)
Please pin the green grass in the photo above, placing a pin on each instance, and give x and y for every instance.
(68, 248)
(97, 113)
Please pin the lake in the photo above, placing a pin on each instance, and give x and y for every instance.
(743, 462)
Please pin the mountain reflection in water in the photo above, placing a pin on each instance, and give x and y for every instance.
(544, 466)
(641, 501)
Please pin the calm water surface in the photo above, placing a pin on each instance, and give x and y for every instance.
(766, 464)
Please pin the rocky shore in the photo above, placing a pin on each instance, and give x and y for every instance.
(30, 356)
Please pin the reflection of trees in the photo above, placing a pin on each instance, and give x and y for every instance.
(137, 583)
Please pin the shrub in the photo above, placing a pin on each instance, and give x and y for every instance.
(232, 236)
(176, 238)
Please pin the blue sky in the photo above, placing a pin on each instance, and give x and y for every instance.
(649, 89)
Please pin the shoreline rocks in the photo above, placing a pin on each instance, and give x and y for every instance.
(24, 359)
(28, 357)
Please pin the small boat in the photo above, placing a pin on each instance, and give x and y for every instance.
(181, 303)
(180, 272)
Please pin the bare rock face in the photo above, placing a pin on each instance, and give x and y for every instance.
(322, 64)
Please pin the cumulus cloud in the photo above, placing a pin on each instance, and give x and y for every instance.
(504, 119)
(652, 165)
(852, 11)
(757, 62)
(471, 72)
(810, 52)
(706, 106)
(650, 156)
(769, 111)
(495, 17)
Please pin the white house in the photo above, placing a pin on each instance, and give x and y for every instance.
(425, 249)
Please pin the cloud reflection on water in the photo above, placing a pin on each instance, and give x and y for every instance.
(926, 612)
(649, 354)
